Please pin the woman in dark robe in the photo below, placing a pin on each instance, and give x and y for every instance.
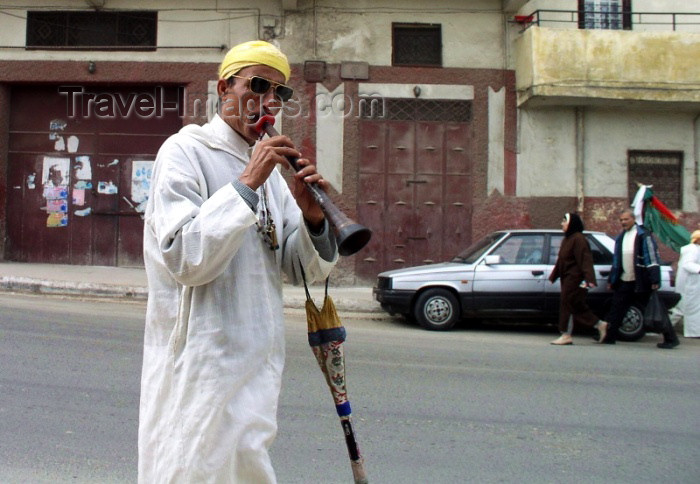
(575, 268)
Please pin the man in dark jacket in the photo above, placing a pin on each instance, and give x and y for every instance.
(635, 272)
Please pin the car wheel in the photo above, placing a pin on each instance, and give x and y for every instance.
(632, 327)
(436, 309)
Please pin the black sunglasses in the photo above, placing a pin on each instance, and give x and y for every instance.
(260, 85)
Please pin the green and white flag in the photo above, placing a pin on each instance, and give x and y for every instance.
(655, 216)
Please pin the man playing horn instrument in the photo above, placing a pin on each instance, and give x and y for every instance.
(221, 226)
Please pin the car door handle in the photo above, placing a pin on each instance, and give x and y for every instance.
(537, 273)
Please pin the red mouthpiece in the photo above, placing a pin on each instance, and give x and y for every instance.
(259, 127)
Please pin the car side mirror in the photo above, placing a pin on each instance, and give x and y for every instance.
(492, 259)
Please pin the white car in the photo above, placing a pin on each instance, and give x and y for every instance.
(504, 275)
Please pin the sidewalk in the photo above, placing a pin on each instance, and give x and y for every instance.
(130, 284)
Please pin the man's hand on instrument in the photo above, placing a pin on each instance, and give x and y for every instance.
(307, 174)
(268, 153)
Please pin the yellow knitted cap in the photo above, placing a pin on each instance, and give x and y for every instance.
(255, 52)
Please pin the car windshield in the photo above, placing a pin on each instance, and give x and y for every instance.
(476, 250)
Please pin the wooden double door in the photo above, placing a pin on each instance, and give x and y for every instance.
(414, 192)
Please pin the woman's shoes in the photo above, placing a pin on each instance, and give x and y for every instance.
(564, 339)
(602, 330)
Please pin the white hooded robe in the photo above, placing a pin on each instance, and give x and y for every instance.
(688, 284)
(214, 337)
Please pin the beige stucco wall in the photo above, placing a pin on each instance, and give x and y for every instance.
(610, 134)
(547, 153)
(547, 145)
(185, 24)
(648, 66)
(472, 31)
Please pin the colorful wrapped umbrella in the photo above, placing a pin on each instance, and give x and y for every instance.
(326, 337)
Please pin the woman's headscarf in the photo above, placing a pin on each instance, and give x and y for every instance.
(575, 224)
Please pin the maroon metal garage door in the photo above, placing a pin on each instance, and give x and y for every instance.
(78, 170)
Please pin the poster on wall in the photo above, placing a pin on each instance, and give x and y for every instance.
(107, 188)
(83, 168)
(57, 220)
(55, 179)
(141, 172)
(78, 197)
(55, 172)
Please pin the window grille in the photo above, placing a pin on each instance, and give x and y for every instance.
(406, 109)
(662, 170)
(417, 45)
(88, 29)
(605, 14)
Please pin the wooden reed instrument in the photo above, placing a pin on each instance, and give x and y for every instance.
(350, 235)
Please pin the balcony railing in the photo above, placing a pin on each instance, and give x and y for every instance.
(609, 19)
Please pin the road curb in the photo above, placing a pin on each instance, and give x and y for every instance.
(68, 288)
(346, 306)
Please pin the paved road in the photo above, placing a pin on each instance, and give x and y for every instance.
(481, 405)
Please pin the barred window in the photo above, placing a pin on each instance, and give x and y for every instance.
(87, 29)
(605, 14)
(416, 44)
(407, 109)
(660, 169)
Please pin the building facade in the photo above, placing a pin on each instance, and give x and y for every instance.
(608, 98)
(435, 123)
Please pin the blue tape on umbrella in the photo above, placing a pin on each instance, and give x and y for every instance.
(326, 336)
(314, 339)
(343, 409)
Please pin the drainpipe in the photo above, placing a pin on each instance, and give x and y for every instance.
(578, 111)
(696, 152)
(315, 31)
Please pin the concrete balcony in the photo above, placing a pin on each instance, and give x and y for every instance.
(576, 67)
